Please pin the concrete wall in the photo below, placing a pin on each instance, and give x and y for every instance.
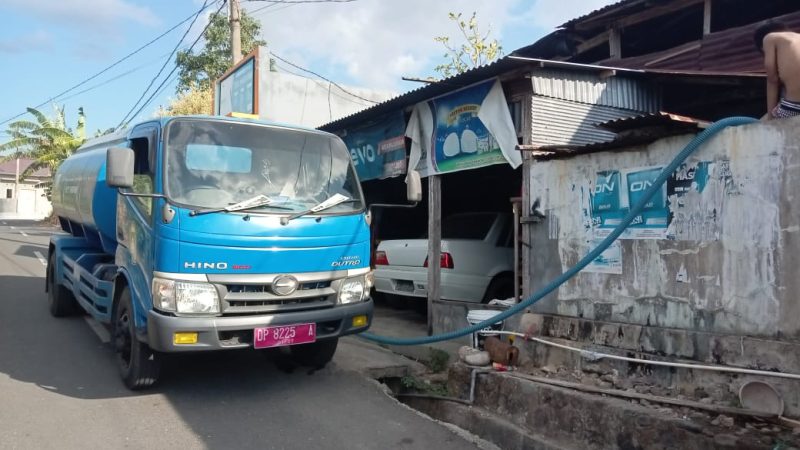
(297, 100)
(727, 262)
(32, 202)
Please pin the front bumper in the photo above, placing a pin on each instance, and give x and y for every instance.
(223, 333)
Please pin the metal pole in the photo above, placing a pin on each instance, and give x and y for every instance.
(434, 244)
(236, 32)
(16, 189)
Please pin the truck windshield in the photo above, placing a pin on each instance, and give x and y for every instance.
(214, 164)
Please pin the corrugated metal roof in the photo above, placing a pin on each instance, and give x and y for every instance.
(613, 9)
(429, 91)
(632, 131)
(653, 119)
(617, 92)
(10, 168)
(566, 123)
(731, 50)
(467, 78)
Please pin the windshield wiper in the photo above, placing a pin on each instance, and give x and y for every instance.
(255, 202)
(332, 201)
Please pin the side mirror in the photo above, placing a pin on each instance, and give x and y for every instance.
(119, 167)
(414, 187)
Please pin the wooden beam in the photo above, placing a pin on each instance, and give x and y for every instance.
(434, 244)
(615, 44)
(649, 13)
(593, 42)
(706, 17)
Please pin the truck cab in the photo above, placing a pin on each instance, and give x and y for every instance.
(203, 233)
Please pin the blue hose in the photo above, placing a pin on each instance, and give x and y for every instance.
(715, 128)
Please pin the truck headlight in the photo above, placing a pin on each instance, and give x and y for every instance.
(185, 297)
(352, 290)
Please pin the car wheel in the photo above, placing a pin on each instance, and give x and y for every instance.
(139, 366)
(501, 287)
(60, 300)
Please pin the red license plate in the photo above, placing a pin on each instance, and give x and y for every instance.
(284, 335)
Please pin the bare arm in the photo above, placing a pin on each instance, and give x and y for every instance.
(771, 67)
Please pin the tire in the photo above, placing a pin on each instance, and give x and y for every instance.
(139, 366)
(316, 354)
(501, 287)
(60, 300)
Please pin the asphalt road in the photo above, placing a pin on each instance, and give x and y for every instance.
(59, 387)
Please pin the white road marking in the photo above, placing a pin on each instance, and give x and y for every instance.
(23, 233)
(13, 227)
(99, 329)
(41, 259)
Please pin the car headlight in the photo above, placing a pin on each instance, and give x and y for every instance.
(352, 290)
(185, 297)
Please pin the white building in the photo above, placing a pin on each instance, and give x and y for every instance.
(24, 199)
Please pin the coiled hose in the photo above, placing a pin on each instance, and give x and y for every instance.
(690, 148)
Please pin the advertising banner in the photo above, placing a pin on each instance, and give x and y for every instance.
(616, 190)
(465, 129)
(378, 149)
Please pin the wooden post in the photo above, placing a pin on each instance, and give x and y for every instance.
(706, 17)
(615, 44)
(434, 244)
(516, 205)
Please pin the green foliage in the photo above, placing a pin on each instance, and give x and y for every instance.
(199, 70)
(437, 360)
(415, 384)
(192, 101)
(48, 141)
(476, 50)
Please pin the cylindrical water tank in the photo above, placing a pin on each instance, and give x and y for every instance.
(84, 203)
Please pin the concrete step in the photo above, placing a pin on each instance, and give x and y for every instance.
(583, 420)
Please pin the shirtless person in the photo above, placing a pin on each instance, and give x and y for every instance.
(781, 50)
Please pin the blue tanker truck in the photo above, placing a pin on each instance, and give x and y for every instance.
(210, 233)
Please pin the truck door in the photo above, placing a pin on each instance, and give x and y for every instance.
(135, 217)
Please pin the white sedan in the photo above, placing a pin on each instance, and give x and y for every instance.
(477, 260)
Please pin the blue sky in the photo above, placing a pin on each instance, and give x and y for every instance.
(47, 46)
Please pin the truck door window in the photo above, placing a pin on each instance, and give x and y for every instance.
(142, 175)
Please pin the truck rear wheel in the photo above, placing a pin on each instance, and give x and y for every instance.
(60, 300)
(316, 354)
(138, 365)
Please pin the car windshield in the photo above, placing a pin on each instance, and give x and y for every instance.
(214, 164)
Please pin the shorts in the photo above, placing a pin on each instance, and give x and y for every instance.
(786, 109)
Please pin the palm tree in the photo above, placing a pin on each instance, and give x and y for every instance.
(48, 142)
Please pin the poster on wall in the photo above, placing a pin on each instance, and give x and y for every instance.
(616, 190)
(378, 150)
(610, 261)
(465, 129)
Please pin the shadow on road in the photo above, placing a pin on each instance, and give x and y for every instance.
(231, 399)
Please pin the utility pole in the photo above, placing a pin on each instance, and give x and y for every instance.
(236, 31)
(16, 189)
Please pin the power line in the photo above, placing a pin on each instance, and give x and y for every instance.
(163, 83)
(124, 58)
(324, 78)
(123, 74)
(167, 61)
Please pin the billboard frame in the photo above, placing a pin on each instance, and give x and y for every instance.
(256, 58)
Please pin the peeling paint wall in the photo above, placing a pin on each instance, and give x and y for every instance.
(726, 259)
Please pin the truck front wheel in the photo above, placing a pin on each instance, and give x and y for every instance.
(316, 354)
(138, 365)
(60, 300)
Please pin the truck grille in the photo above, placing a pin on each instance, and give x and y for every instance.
(258, 298)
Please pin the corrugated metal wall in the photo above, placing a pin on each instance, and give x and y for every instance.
(564, 122)
(584, 87)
